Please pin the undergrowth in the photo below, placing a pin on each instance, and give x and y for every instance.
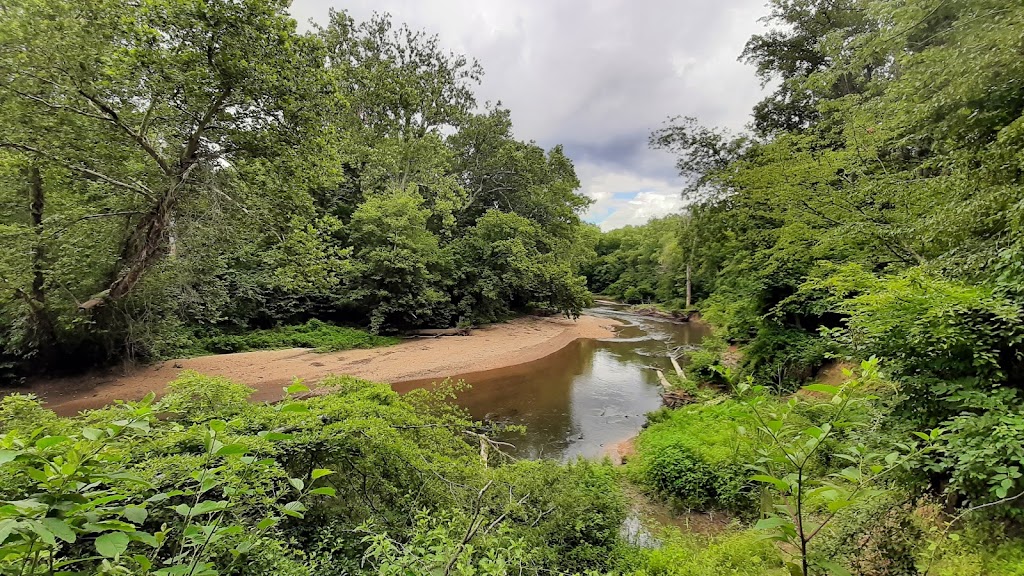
(315, 334)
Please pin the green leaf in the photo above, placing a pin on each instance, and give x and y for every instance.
(205, 507)
(779, 484)
(8, 455)
(276, 436)
(321, 472)
(6, 527)
(294, 407)
(135, 514)
(50, 441)
(324, 491)
(92, 433)
(295, 509)
(60, 529)
(112, 545)
(266, 523)
(771, 523)
(143, 562)
(297, 388)
(42, 531)
(231, 450)
(146, 538)
(297, 483)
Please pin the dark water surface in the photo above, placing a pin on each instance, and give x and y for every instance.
(584, 398)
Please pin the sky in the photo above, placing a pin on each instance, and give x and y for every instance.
(597, 76)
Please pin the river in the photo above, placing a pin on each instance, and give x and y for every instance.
(585, 397)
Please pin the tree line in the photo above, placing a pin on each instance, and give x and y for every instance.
(872, 208)
(171, 167)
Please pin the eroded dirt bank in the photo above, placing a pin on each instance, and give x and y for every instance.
(491, 347)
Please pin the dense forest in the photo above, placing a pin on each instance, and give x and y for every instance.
(171, 169)
(176, 173)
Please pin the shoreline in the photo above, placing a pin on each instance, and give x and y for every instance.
(492, 347)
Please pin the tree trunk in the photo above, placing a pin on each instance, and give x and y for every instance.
(143, 248)
(36, 205)
(43, 334)
(689, 288)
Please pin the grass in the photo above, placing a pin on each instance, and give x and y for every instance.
(315, 334)
(741, 553)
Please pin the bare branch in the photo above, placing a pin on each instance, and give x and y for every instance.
(55, 106)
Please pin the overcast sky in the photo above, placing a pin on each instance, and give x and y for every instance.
(597, 76)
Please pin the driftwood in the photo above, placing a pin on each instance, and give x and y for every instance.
(664, 381)
(673, 397)
(679, 369)
(677, 398)
(438, 332)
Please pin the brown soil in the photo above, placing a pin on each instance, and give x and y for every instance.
(658, 516)
(832, 373)
(622, 451)
(496, 346)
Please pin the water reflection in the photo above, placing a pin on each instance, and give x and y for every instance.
(588, 395)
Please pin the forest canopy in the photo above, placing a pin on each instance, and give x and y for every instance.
(171, 168)
(873, 208)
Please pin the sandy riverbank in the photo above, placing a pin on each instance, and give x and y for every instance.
(488, 348)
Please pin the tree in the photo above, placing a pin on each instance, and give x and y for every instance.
(164, 89)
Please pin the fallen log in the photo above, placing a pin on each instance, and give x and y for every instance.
(679, 369)
(664, 381)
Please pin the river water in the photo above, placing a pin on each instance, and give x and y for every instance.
(586, 397)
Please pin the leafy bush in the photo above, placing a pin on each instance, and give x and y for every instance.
(737, 553)
(697, 456)
(582, 511)
(705, 364)
(784, 356)
(957, 351)
(878, 536)
(313, 334)
(984, 456)
(357, 482)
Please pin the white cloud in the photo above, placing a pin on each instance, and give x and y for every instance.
(622, 198)
(596, 75)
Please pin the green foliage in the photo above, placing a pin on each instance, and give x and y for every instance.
(642, 264)
(878, 535)
(243, 174)
(360, 481)
(696, 456)
(738, 553)
(875, 209)
(785, 357)
(313, 334)
(788, 454)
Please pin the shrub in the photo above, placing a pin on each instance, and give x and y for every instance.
(786, 357)
(697, 457)
(878, 536)
(361, 481)
(737, 553)
(313, 334)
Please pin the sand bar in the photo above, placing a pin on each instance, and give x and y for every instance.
(491, 347)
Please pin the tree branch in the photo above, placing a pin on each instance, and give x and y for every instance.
(136, 187)
(113, 117)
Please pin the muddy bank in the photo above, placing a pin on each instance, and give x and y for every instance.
(488, 348)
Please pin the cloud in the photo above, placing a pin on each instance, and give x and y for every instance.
(597, 76)
(622, 198)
